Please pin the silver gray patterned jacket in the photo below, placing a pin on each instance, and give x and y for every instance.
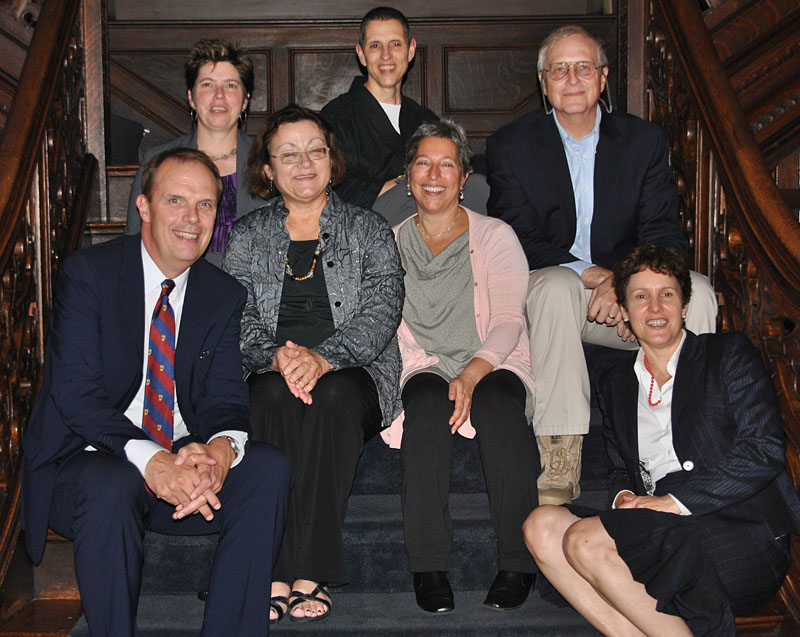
(365, 288)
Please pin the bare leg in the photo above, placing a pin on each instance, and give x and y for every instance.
(592, 554)
(544, 535)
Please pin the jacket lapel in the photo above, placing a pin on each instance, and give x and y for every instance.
(607, 163)
(688, 380)
(626, 413)
(550, 145)
(130, 311)
(131, 294)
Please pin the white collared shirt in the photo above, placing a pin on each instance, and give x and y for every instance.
(654, 430)
(580, 159)
(656, 449)
(139, 452)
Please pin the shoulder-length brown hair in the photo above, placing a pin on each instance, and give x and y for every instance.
(260, 184)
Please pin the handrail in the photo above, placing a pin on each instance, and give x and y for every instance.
(735, 208)
(24, 130)
(743, 168)
(45, 181)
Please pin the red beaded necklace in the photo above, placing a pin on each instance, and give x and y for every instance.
(652, 382)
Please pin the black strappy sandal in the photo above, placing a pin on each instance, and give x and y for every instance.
(298, 598)
(278, 603)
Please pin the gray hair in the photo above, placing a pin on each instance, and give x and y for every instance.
(564, 32)
(443, 128)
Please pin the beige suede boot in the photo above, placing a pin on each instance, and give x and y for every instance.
(559, 482)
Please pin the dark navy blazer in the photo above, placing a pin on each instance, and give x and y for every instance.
(726, 430)
(635, 200)
(94, 361)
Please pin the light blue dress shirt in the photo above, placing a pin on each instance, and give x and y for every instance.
(580, 159)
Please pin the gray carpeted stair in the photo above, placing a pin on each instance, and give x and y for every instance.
(379, 599)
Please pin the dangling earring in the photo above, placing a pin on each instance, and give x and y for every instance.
(461, 195)
(243, 117)
(607, 106)
(193, 114)
(408, 189)
(270, 185)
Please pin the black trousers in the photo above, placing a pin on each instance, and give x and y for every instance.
(324, 441)
(100, 503)
(509, 455)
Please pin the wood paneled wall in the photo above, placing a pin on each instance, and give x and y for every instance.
(478, 69)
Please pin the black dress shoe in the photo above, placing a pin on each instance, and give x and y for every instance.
(433, 592)
(509, 590)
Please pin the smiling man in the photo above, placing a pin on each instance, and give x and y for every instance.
(374, 120)
(582, 187)
(142, 418)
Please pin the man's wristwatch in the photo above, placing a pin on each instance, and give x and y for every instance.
(234, 445)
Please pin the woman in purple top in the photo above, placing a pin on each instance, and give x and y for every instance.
(219, 83)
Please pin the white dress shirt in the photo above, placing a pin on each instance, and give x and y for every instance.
(137, 451)
(656, 450)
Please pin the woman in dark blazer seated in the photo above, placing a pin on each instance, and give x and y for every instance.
(700, 505)
(219, 82)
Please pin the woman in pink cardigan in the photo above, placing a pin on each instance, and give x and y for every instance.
(466, 369)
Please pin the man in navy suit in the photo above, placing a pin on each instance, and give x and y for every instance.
(582, 187)
(92, 471)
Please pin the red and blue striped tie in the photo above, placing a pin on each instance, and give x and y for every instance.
(159, 389)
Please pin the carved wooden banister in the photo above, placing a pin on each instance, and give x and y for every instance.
(45, 179)
(743, 233)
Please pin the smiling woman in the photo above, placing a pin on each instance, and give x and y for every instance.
(325, 291)
(700, 506)
(219, 82)
(466, 369)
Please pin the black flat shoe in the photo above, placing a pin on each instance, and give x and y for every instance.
(433, 592)
(509, 590)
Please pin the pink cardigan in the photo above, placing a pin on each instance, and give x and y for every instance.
(500, 271)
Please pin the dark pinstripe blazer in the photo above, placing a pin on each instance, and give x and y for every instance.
(726, 430)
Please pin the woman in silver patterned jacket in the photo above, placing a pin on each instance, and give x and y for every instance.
(325, 294)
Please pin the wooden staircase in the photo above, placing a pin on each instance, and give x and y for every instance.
(759, 48)
(725, 85)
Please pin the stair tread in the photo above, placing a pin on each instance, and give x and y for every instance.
(373, 614)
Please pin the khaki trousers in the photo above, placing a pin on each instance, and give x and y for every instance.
(556, 308)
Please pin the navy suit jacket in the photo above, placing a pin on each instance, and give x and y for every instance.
(635, 201)
(94, 360)
(726, 429)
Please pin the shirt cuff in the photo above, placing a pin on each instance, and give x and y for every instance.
(614, 501)
(241, 439)
(577, 266)
(684, 510)
(139, 452)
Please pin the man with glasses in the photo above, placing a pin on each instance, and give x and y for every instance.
(581, 186)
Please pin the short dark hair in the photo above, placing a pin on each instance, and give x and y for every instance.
(443, 128)
(259, 152)
(178, 154)
(215, 51)
(657, 258)
(383, 13)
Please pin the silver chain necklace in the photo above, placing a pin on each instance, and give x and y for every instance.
(438, 234)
